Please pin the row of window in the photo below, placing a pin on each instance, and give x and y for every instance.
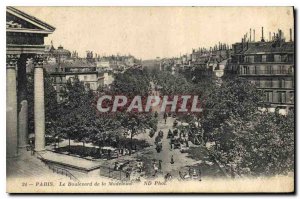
(90, 85)
(268, 58)
(274, 83)
(264, 70)
(63, 79)
(279, 97)
(59, 69)
(59, 79)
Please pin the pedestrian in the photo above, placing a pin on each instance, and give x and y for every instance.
(200, 174)
(168, 177)
(139, 166)
(165, 117)
(109, 154)
(172, 160)
(155, 114)
(127, 173)
(171, 145)
(31, 147)
(155, 169)
(116, 166)
(232, 171)
(169, 134)
(194, 174)
(159, 165)
(187, 143)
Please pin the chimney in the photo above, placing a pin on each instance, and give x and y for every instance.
(291, 37)
(243, 43)
(269, 36)
(262, 34)
(250, 35)
(253, 35)
(279, 34)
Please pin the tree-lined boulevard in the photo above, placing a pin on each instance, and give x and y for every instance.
(231, 137)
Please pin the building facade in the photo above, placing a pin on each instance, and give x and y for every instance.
(88, 75)
(24, 41)
(270, 66)
(105, 79)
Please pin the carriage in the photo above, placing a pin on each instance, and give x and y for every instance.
(170, 134)
(161, 134)
(158, 147)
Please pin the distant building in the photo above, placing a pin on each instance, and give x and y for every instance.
(220, 68)
(103, 65)
(203, 63)
(210, 57)
(93, 71)
(57, 55)
(105, 79)
(270, 66)
(64, 71)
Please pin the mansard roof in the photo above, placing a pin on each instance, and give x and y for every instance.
(266, 47)
(271, 47)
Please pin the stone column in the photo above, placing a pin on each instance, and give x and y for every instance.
(11, 106)
(39, 106)
(22, 103)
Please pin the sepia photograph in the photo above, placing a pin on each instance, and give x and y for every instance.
(150, 99)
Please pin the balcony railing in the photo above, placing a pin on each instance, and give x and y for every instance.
(266, 61)
(267, 72)
(90, 69)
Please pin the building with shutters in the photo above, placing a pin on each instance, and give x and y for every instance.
(270, 66)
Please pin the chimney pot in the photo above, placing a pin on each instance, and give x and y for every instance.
(262, 34)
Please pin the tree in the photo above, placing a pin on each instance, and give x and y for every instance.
(270, 144)
(131, 83)
(250, 141)
(234, 98)
(171, 84)
(77, 112)
(137, 123)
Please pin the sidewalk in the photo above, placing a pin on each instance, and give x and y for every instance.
(71, 161)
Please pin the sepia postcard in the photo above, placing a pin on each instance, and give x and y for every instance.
(150, 99)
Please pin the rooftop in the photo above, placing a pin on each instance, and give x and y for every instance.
(267, 47)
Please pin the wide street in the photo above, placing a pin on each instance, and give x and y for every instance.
(196, 157)
(182, 161)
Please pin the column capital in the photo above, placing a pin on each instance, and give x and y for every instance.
(12, 60)
(38, 60)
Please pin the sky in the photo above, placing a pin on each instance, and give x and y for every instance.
(150, 32)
